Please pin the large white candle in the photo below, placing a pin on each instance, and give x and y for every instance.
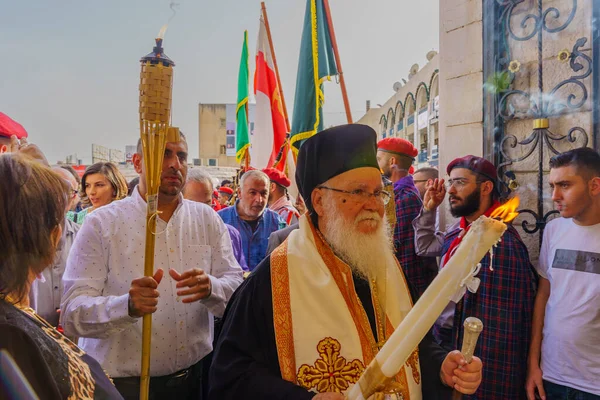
(482, 236)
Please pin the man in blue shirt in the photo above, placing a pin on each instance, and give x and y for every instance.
(250, 216)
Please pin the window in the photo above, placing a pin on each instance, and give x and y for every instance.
(212, 162)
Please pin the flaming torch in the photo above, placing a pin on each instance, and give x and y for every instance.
(507, 212)
(156, 83)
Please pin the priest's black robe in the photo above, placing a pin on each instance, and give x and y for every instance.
(246, 365)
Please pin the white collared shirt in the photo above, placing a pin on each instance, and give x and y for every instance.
(45, 294)
(108, 254)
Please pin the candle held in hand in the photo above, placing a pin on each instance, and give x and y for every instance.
(454, 277)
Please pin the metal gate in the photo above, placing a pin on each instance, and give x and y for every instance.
(540, 95)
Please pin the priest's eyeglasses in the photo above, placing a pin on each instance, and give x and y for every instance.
(362, 196)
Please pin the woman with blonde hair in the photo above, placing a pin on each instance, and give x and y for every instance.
(101, 184)
(33, 203)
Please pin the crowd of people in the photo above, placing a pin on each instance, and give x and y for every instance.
(257, 295)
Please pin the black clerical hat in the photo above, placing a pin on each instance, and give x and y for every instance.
(332, 152)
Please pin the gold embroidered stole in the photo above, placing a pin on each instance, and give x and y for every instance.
(323, 335)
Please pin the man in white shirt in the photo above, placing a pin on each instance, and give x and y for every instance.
(564, 356)
(106, 293)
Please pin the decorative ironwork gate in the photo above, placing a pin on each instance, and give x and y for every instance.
(540, 95)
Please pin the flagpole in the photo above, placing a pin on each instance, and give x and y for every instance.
(338, 62)
(266, 20)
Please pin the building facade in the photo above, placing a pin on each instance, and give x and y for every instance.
(217, 134)
(412, 113)
(517, 84)
(517, 92)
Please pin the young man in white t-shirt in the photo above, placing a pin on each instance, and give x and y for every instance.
(564, 356)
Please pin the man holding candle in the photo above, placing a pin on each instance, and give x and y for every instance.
(505, 296)
(311, 316)
(564, 360)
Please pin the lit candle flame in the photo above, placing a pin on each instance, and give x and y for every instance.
(507, 212)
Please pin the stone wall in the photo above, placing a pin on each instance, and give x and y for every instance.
(462, 119)
(460, 84)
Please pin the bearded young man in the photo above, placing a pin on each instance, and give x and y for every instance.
(564, 359)
(107, 294)
(504, 300)
(306, 322)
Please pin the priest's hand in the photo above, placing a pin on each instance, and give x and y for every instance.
(457, 374)
(329, 396)
(434, 195)
(143, 295)
(196, 281)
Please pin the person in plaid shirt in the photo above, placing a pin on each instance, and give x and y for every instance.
(395, 156)
(505, 298)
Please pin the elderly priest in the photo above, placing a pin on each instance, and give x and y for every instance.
(308, 320)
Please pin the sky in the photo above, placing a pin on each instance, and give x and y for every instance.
(70, 69)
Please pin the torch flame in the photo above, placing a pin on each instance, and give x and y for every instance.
(508, 211)
(163, 30)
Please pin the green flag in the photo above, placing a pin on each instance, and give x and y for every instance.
(242, 138)
(317, 63)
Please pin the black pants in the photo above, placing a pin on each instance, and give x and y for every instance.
(185, 385)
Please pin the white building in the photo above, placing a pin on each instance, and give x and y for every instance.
(412, 112)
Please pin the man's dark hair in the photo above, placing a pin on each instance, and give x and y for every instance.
(73, 172)
(402, 161)
(132, 184)
(482, 178)
(586, 160)
(140, 150)
(226, 182)
(430, 171)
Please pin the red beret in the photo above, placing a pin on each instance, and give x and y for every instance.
(277, 176)
(475, 164)
(411, 170)
(9, 127)
(225, 189)
(398, 146)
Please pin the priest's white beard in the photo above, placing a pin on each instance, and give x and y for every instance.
(365, 253)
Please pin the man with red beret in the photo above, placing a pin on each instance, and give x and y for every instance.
(9, 128)
(279, 200)
(13, 138)
(395, 156)
(225, 194)
(505, 297)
